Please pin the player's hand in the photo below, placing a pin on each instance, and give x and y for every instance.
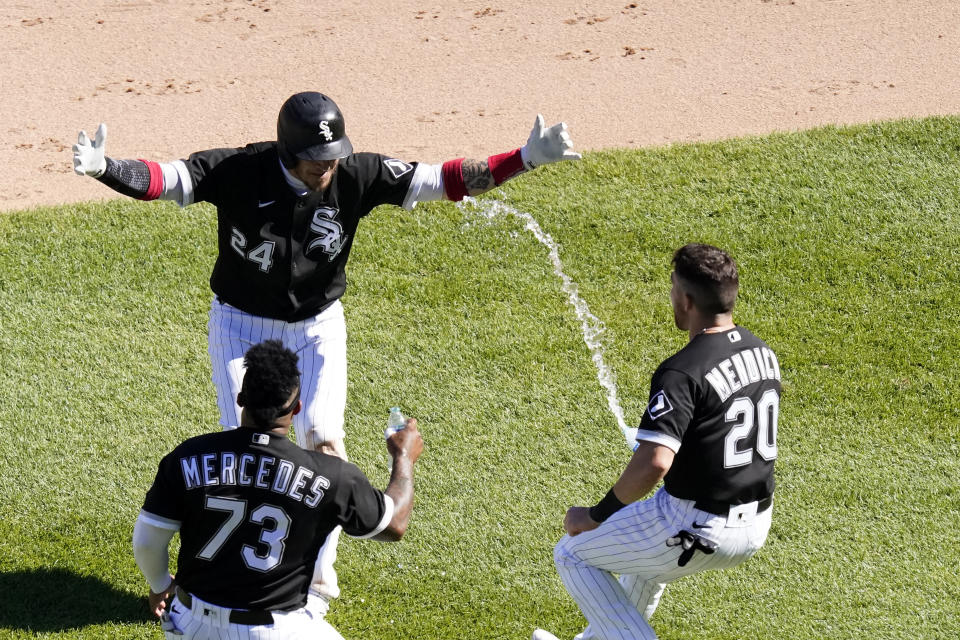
(406, 441)
(578, 520)
(88, 157)
(158, 601)
(547, 145)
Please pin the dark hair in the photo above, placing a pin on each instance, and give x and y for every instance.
(271, 377)
(709, 276)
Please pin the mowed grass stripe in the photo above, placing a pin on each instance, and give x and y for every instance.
(848, 244)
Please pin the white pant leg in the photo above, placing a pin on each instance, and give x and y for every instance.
(321, 344)
(324, 580)
(643, 593)
(735, 544)
(633, 543)
(586, 564)
(301, 624)
(230, 333)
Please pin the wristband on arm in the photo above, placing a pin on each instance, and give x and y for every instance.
(502, 167)
(453, 184)
(606, 507)
(139, 179)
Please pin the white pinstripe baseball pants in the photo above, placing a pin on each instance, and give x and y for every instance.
(321, 344)
(633, 544)
(299, 624)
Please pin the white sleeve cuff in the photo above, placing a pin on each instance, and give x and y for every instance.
(659, 438)
(150, 545)
(171, 182)
(425, 186)
(384, 521)
(159, 521)
(182, 191)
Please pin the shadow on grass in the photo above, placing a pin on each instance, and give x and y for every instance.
(58, 600)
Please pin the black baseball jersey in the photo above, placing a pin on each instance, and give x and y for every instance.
(716, 403)
(282, 255)
(254, 510)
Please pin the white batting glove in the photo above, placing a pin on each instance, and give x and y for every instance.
(88, 158)
(547, 145)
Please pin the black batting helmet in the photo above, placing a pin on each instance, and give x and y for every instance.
(310, 126)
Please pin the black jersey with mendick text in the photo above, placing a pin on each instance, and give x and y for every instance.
(254, 509)
(282, 255)
(716, 403)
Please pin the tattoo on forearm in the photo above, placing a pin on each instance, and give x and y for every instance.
(477, 177)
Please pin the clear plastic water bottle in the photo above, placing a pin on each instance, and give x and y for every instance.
(395, 422)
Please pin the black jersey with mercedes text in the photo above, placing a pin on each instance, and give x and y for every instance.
(282, 255)
(716, 404)
(254, 510)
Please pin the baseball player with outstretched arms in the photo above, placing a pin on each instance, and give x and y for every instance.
(710, 433)
(288, 213)
(253, 510)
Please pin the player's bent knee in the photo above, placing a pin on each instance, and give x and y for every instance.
(563, 554)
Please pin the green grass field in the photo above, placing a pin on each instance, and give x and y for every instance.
(848, 241)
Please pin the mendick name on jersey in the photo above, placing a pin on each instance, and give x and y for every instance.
(745, 367)
(248, 470)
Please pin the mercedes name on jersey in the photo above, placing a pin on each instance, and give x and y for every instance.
(280, 476)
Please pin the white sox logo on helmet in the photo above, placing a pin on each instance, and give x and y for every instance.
(325, 130)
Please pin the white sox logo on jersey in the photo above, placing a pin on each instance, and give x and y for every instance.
(397, 167)
(325, 130)
(330, 236)
(659, 405)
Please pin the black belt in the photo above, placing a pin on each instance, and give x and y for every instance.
(237, 616)
(723, 508)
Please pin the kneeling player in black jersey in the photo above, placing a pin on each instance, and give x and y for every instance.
(253, 510)
(710, 433)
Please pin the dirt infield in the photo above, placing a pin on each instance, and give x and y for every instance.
(431, 81)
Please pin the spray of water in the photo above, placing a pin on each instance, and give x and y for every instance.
(590, 325)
